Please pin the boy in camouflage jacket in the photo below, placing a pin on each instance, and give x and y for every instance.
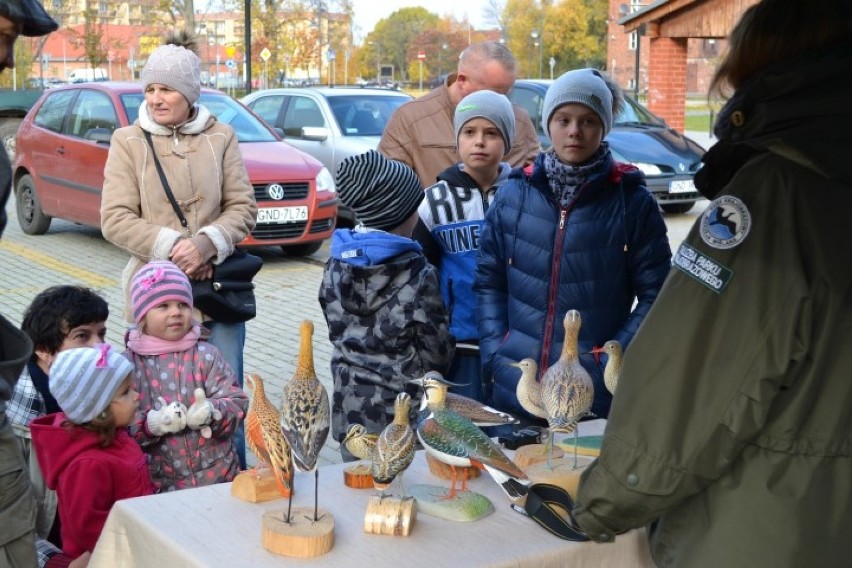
(381, 298)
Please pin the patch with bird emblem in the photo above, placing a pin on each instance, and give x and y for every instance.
(725, 223)
(702, 268)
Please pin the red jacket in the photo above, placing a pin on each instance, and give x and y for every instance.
(87, 478)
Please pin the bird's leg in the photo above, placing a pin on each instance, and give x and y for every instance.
(576, 442)
(452, 493)
(316, 494)
(289, 507)
(464, 477)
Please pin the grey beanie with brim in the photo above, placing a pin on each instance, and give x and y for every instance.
(583, 86)
(491, 106)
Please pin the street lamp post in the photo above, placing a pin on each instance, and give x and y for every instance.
(534, 43)
(540, 48)
(444, 47)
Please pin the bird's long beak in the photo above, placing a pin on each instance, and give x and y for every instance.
(419, 381)
(512, 364)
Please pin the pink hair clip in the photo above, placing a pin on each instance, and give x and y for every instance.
(102, 360)
(154, 276)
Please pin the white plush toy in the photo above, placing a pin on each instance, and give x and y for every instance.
(169, 419)
(201, 413)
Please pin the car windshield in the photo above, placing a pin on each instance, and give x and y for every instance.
(635, 115)
(248, 127)
(364, 115)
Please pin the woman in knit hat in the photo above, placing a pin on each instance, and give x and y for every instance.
(203, 165)
(380, 294)
(176, 374)
(576, 231)
(85, 452)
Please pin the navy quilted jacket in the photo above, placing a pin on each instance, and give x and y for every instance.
(604, 253)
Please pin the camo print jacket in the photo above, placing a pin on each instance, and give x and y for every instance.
(386, 320)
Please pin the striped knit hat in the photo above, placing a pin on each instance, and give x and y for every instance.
(84, 380)
(157, 282)
(383, 193)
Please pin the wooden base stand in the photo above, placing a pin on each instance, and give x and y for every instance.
(525, 456)
(562, 473)
(443, 471)
(256, 486)
(302, 537)
(358, 476)
(466, 506)
(390, 515)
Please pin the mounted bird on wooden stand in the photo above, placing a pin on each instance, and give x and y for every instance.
(562, 397)
(266, 440)
(613, 363)
(456, 441)
(360, 444)
(305, 421)
(393, 453)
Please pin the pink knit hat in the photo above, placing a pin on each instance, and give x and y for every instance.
(155, 283)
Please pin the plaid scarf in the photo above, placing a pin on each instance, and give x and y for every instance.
(566, 180)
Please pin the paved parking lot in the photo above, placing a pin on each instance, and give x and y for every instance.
(286, 293)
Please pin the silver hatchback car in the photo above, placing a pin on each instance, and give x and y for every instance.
(329, 123)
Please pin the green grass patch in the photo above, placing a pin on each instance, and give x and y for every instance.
(697, 122)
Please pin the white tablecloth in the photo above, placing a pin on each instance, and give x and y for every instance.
(206, 527)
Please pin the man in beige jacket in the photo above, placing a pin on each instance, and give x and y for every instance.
(420, 133)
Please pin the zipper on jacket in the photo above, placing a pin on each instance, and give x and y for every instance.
(552, 292)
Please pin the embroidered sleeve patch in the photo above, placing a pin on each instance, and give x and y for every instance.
(702, 269)
(725, 223)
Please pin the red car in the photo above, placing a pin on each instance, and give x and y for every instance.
(62, 146)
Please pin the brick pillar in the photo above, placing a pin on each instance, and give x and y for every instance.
(667, 80)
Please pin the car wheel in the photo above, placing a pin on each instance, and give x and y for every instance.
(31, 218)
(677, 207)
(8, 129)
(305, 249)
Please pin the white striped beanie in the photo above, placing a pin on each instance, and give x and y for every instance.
(84, 380)
(157, 282)
(383, 193)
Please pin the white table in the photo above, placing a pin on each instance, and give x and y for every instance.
(206, 527)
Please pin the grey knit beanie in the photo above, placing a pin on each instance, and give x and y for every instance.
(176, 67)
(383, 193)
(84, 380)
(584, 86)
(490, 106)
(34, 20)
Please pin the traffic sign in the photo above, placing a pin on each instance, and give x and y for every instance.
(421, 55)
(330, 55)
(265, 54)
(230, 64)
(230, 50)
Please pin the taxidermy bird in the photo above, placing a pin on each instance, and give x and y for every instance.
(480, 414)
(359, 442)
(613, 363)
(395, 447)
(305, 415)
(456, 441)
(264, 436)
(565, 392)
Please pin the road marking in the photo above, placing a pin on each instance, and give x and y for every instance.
(91, 279)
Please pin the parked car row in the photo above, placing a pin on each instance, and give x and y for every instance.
(62, 147)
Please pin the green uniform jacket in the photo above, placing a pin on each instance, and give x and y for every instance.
(731, 430)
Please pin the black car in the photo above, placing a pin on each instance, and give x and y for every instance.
(668, 158)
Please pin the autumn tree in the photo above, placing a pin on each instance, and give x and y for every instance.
(390, 41)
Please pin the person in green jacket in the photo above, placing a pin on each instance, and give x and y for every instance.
(730, 434)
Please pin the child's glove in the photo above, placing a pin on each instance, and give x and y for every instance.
(201, 413)
(170, 419)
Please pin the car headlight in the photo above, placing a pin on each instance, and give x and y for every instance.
(325, 181)
(648, 169)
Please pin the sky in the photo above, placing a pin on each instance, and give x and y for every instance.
(369, 12)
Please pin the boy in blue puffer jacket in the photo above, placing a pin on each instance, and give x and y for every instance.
(454, 212)
(579, 231)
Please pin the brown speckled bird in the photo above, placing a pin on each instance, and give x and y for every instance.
(566, 390)
(305, 413)
(613, 363)
(395, 447)
(264, 436)
(480, 414)
(359, 442)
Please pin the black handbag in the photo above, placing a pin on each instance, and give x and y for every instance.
(228, 296)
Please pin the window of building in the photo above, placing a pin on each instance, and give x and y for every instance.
(632, 40)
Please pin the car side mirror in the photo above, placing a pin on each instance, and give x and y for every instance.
(317, 133)
(279, 131)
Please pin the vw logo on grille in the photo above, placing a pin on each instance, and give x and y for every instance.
(680, 165)
(275, 191)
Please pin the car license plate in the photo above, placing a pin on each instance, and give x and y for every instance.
(681, 186)
(281, 215)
